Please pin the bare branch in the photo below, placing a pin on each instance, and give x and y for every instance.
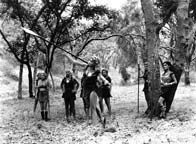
(96, 39)
(11, 48)
(169, 48)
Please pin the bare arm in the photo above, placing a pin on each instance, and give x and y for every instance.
(62, 87)
(80, 63)
(174, 80)
(76, 86)
(106, 82)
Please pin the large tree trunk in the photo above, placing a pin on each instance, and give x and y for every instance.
(182, 32)
(152, 45)
(30, 81)
(186, 74)
(20, 81)
(181, 45)
(36, 62)
(52, 79)
(20, 77)
(190, 49)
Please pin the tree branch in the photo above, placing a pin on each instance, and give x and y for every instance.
(96, 39)
(11, 48)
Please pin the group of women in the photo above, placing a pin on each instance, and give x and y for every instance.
(95, 86)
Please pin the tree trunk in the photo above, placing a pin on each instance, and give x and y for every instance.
(186, 74)
(181, 45)
(36, 62)
(182, 32)
(30, 81)
(125, 75)
(20, 81)
(52, 79)
(152, 45)
(20, 77)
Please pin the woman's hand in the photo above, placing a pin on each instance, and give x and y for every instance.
(168, 84)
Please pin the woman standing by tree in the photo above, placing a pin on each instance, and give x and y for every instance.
(168, 79)
(145, 89)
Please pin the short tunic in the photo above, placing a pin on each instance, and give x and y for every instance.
(68, 87)
(166, 78)
(89, 84)
(105, 90)
(43, 90)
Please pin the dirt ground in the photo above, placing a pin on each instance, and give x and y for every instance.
(19, 125)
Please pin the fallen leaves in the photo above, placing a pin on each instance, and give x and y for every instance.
(20, 125)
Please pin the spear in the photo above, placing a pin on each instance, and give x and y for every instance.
(41, 37)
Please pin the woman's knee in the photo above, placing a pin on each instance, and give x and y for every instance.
(161, 100)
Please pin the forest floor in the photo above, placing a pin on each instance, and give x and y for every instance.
(19, 125)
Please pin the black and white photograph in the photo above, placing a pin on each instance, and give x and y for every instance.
(97, 71)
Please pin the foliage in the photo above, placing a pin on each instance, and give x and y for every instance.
(192, 9)
(129, 25)
(57, 21)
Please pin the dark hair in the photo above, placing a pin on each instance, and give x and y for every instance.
(170, 65)
(105, 70)
(68, 73)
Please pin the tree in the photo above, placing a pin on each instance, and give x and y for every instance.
(56, 21)
(21, 14)
(154, 24)
(129, 24)
(152, 45)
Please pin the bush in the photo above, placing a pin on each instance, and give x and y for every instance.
(7, 70)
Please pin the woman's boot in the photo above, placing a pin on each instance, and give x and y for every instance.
(43, 116)
(46, 116)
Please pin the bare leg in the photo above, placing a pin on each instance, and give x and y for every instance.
(162, 106)
(95, 109)
(101, 104)
(93, 105)
(107, 101)
(146, 93)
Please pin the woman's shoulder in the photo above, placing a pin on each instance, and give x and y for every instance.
(171, 72)
(97, 72)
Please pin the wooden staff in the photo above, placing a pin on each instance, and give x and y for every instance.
(138, 90)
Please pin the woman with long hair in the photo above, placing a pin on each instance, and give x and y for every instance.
(168, 79)
(91, 80)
